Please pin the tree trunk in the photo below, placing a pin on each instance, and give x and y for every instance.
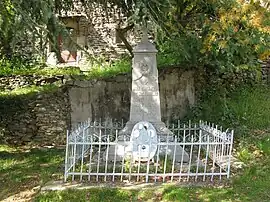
(121, 34)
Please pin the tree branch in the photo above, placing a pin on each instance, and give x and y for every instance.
(121, 33)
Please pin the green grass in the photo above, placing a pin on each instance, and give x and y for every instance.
(28, 90)
(245, 109)
(251, 185)
(24, 168)
(97, 71)
(103, 70)
(38, 70)
(100, 69)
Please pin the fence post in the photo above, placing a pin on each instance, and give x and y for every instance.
(230, 154)
(66, 158)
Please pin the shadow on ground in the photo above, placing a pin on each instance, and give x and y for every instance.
(22, 170)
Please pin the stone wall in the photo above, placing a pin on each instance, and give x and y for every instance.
(110, 98)
(20, 81)
(43, 118)
(37, 118)
(266, 72)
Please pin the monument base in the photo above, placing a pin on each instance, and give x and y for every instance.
(163, 134)
(117, 152)
(161, 129)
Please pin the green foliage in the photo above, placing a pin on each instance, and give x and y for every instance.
(244, 109)
(236, 39)
(183, 50)
(244, 155)
(102, 69)
(28, 90)
(221, 35)
(26, 26)
(264, 145)
(15, 66)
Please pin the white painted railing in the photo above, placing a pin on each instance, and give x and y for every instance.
(196, 152)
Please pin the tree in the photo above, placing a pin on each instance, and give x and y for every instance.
(28, 23)
(191, 31)
(34, 20)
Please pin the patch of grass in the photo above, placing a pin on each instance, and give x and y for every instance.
(28, 90)
(245, 109)
(21, 67)
(59, 71)
(252, 185)
(264, 145)
(250, 107)
(100, 69)
(24, 168)
(36, 70)
(108, 70)
(93, 195)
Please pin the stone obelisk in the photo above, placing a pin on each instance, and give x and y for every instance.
(145, 99)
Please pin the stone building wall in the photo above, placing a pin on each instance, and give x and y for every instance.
(102, 37)
(95, 31)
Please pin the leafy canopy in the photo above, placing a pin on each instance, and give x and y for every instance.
(225, 34)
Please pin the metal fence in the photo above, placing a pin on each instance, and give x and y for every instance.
(95, 152)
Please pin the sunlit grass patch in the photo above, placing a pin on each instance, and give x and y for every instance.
(99, 69)
(7, 148)
(22, 168)
(29, 90)
(93, 195)
(110, 70)
(236, 192)
(246, 109)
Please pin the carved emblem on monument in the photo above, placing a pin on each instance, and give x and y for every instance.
(144, 141)
(144, 71)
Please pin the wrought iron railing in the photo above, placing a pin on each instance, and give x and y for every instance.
(197, 151)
